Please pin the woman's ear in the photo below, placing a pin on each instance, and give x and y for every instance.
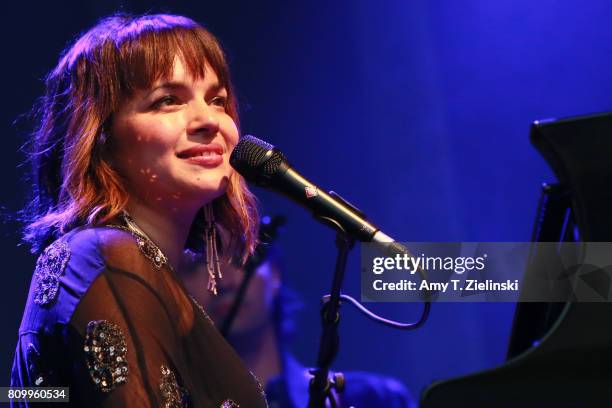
(104, 141)
(102, 148)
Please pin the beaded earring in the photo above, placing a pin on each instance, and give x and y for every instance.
(213, 265)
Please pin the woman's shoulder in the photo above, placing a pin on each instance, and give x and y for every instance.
(98, 239)
(81, 253)
(72, 258)
(65, 271)
(86, 250)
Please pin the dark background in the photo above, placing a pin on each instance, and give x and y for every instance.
(416, 111)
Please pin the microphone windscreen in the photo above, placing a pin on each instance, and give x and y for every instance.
(256, 160)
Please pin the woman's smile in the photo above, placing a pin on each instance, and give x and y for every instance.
(206, 155)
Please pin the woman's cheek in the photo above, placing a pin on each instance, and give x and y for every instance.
(233, 133)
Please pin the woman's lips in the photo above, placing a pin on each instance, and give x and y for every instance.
(206, 160)
(209, 155)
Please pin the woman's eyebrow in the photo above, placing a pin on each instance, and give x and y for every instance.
(217, 87)
(175, 85)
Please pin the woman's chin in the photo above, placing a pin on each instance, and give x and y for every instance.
(211, 192)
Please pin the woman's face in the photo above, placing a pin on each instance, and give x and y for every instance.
(172, 142)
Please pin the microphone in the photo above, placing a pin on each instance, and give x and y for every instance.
(265, 166)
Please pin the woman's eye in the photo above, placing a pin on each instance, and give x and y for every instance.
(219, 101)
(167, 100)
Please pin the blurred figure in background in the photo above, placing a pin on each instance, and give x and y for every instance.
(263, 326)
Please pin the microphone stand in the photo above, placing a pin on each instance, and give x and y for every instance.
(321, 387)
(269, 231)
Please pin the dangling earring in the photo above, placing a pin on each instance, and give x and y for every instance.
(213, 265)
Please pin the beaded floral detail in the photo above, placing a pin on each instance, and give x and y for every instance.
(228, 403)
(173, 395)
(146, 246)
(151, 252)
(49, 267)
(106, 354)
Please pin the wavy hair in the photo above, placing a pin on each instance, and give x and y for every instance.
(74, 182)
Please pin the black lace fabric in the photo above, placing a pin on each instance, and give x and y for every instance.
(134, 337)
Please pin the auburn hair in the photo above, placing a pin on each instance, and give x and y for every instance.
(74, 183)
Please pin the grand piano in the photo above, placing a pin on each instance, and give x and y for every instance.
(560, 353)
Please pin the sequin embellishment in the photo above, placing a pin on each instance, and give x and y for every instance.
(173, 395)
(106, 354)
(146, 246)
(229, 404)
(49, 267)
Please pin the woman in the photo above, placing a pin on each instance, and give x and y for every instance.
(131, 167)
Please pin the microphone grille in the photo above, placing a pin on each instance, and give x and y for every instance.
(255, 159)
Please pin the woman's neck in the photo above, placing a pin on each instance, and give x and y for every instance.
(168, 229)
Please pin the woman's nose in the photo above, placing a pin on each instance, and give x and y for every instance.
(203, 119)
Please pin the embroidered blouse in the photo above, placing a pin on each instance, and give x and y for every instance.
(120, 331)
